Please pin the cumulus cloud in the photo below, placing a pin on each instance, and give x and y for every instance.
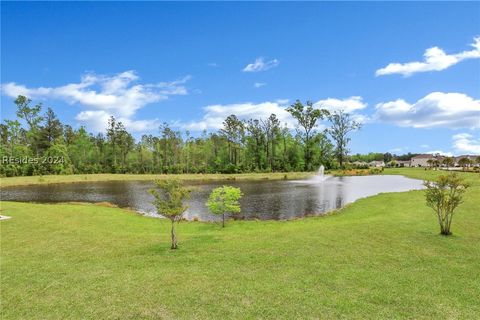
(466, 143)
(349, 105)
(437, 109)
(119, 95)
(261, 65)
(216, 114)
(98, 119)
(440, 152)
(435, 59)
(259, 84)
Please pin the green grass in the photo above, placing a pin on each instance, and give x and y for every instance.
(50, 179)
(472, 178)
(379, 258)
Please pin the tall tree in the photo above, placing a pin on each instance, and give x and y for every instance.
(51, 130)
(80, 147)
(167, 136)
(258, 144)
(307, 117)
(341, 125)
(125, 143)
(271, 127)
(284, 135)
(324, 149)
(112, 139)
(30, 114)
(233, 130)
(32, 117)
(13, 139)
(256, 133)
(100, 145)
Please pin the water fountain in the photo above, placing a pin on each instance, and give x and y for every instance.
(321, 172)
(320, 176)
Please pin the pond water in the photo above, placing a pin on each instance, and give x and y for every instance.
(265, 200)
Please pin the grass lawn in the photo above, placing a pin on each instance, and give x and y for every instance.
(33, 180)
(380, 258)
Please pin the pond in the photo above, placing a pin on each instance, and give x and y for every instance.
(264, 200)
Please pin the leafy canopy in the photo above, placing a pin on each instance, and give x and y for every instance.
(224, 200)
(444, 196)
(169, 201)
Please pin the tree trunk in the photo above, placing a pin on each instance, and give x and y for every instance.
(174, 237)
(273, 155)
(223, 220)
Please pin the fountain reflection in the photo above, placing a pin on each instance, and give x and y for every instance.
(263, 199)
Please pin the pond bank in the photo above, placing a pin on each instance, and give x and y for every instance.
(263, 199)
(55, 179)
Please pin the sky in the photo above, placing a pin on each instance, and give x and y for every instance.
(410, 72)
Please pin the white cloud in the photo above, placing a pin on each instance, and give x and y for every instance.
(97, 120)
(437, 109)
(259, 84)
(349, 105)
(435, 59)
(398, 149)
(440, 152)
(213, 65)
(425, 146)
(216, 114)
(261, 65)
(466, 143)
(119, 95)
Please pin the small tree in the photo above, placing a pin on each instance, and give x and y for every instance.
(224, 200)
(443, 197)
(169, 198)
(430, 163)
(448, 162)
(464, 163)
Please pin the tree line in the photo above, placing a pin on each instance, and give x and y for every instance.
(255, 145)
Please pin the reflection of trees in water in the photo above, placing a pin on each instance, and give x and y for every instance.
(263, 200)
(339, 196)
(338, 203)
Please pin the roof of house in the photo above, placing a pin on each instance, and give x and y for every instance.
(424, 156)
(469, 156)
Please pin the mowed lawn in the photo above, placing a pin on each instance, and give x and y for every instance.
(380, 258)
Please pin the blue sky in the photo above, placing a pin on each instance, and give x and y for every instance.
(192, 64)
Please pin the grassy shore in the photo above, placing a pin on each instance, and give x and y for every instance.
(380, 258)
(50, 179)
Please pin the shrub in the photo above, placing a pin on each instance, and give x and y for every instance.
(444, 196)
